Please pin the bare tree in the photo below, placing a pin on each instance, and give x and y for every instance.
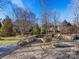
(75, 10)
(54, 19)
(24, 17)
(23, 26)
(17, 12)
(48, 16)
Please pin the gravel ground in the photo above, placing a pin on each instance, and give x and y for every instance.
(44, 52)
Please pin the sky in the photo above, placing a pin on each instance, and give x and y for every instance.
(60, 5)
(36, 7)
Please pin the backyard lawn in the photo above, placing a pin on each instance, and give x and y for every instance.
(10, 40)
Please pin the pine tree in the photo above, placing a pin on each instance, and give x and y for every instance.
(36, 29)
(7, 27)
(43, 28)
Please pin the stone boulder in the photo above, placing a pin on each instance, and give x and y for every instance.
(31, 39)
(75, 36)
(63, 37)
(46, 39)
(26, 41)
(22, 43)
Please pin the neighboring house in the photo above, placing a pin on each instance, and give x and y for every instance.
(67, 27)
(51, 28)
(63, 26)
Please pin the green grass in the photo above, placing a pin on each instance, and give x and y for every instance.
(10, 40)
(4, 42)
